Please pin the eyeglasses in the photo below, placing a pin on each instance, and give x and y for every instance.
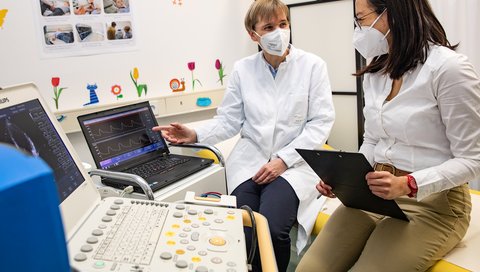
(357, 20)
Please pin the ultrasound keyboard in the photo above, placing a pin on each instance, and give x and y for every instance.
(146, 236)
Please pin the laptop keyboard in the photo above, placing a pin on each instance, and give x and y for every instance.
(155, 167)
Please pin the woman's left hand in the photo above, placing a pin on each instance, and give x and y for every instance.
(270, 171)
(387, 186)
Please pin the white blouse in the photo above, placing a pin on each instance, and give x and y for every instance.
(431, 127)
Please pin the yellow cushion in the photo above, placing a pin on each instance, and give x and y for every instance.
(327, 147)
(207, 154)
(444, 266)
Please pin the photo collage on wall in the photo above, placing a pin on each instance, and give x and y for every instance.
(85, 27)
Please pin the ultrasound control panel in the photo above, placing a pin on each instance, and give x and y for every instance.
(146, 236)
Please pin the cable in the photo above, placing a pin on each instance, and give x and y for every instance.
(127, 190)
(253, 246)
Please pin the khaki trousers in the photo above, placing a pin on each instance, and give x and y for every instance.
(355, 240)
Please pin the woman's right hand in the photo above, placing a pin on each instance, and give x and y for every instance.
(325, 189)
(177, 133)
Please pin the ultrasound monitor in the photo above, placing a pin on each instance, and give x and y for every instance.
(27, 124)
(27, 127)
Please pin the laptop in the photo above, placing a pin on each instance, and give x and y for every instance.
(345, 173)
(118, 234)
(121, 139)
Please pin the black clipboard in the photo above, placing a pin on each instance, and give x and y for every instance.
(345, 173)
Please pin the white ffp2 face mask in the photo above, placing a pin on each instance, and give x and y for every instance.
(275, 42)
(370, 42)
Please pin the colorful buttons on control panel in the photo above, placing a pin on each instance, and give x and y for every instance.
(217, 241)
(99, 264)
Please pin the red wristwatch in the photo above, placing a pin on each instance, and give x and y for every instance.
(412, 184)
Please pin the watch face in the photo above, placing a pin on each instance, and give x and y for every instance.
(412, 185)
(411, 182)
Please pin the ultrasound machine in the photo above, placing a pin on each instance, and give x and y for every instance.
(53, 217)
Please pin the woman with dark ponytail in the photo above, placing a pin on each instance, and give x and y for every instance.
(422, 137)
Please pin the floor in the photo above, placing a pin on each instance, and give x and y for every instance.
(294, 258)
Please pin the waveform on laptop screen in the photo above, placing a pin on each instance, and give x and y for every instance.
(123, 144)
(115, 127)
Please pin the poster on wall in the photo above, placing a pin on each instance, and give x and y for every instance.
(84, 27)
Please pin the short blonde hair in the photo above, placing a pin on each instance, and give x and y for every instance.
(263, 9)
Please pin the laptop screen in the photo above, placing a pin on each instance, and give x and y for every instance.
(27, 127)
(120, 136)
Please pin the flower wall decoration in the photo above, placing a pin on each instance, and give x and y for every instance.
(140, 87)
(56, 91)
(219, 66)
(117, 91)
(191, 67)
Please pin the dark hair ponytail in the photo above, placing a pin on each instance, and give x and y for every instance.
(414, 28)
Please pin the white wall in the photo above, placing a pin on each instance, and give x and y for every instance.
(326, 30)
(461, 21)
(169, 36)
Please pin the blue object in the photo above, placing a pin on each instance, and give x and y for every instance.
(93, 94)
(204, 101)
(61, 117)
(32, 233)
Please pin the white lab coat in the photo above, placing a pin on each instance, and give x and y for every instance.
(274, 116)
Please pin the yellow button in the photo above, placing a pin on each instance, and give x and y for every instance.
(230, 217)
(170, 242)
(187, 221)
(217, 241)
(169, 233)
(180, 251)
(202, 218)
(175, 226)
(196, 259)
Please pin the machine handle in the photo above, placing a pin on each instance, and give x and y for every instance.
(125, 177)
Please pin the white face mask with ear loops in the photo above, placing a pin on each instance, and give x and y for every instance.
(370, 42)
(275, 42)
